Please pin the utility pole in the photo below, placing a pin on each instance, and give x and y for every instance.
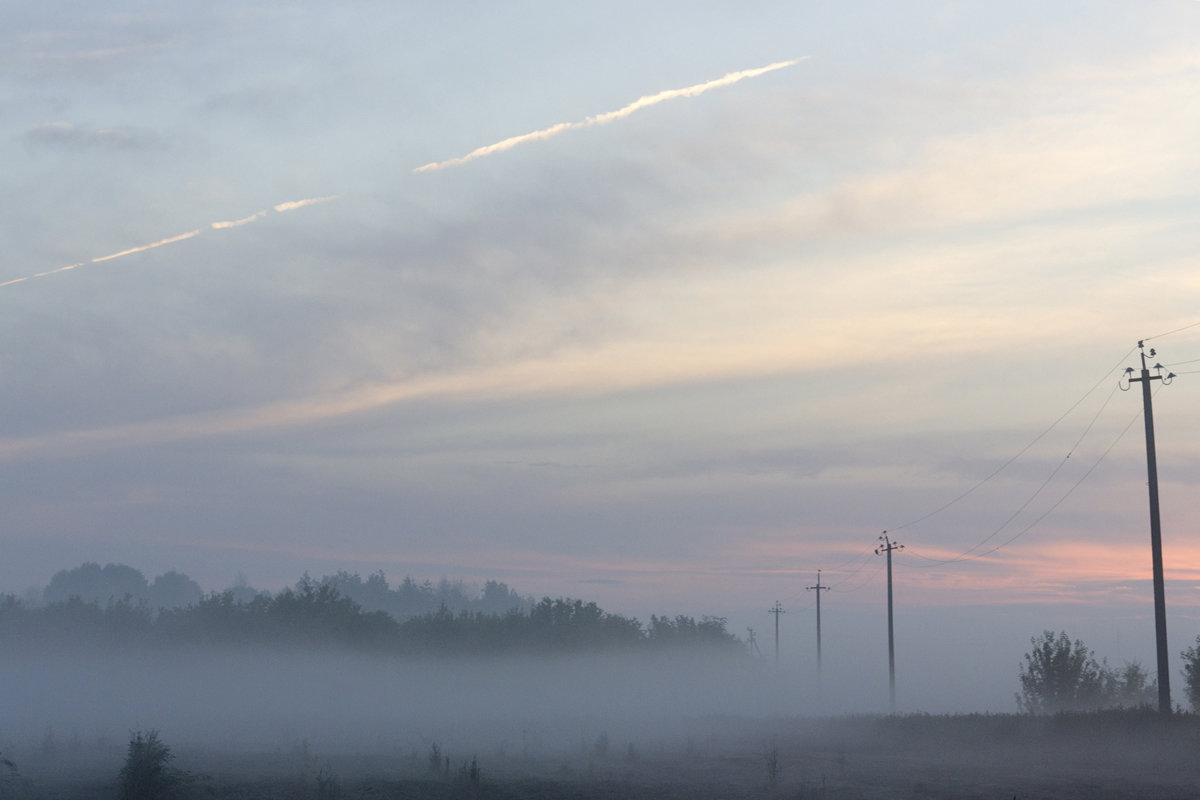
(753, 642)
(887, 547)
(776, 610)
(1160, 596)
(818, 589)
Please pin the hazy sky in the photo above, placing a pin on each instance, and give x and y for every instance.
(675, 359)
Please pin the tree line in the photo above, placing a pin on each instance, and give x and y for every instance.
(318, 613)
(93, 583)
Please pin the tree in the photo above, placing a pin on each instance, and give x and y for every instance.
(174, 590)
(1191, 674)
(1132, 687)
(1061, 675)
(95, 584)
(147, 774)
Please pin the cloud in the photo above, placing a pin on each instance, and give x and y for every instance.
(607, 117)
(67, 135)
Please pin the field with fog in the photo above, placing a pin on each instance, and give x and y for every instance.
(311, 693)
(606, 755)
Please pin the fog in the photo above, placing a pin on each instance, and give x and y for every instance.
(283, 688)
(253, 719)
(681, 723)
(337, 702)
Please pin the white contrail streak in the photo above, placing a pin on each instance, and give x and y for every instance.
(610, 116)
(145, 247)
(312, 201)
(236, 223)
(291, 205)
(498, 147)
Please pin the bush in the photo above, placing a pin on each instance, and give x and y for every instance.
(10, 778)
(1191, 674)
(147, 774)
(1061, 675)
(1132, 687)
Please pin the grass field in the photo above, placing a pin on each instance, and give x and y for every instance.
(1125, 754)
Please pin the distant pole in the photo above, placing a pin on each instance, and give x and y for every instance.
(753, 642)
(1160, 594)
(887, 547)
(818, 589)
(776, 610)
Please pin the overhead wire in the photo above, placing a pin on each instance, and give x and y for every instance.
(1171, 333)
(1057, 468)
(1020, 452)
(856, 578)
(1060, 500)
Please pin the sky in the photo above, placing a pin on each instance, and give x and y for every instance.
(663, 306)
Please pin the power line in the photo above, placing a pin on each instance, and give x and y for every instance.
(858, 580)
(1051, 509)
(1170, 333)
(861, 555)
(1058, 467)
(1022, 451)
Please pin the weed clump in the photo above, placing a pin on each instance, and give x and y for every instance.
(147, 773)
(327, 785)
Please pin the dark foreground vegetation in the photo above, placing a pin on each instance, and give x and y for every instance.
(1111, 754)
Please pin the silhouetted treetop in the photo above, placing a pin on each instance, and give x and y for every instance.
(115, 604)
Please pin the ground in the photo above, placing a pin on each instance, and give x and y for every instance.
(1093, 756)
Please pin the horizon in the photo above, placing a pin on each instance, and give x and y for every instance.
(666, 312)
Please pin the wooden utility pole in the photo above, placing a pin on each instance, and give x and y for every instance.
(887, 547)
(776, 610)
(1160, 598)
(818, 589)
(753, 642)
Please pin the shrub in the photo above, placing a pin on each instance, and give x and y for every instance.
(435, 758)
(1061, 675)
(327, 785)
(1191, 674)
(147, 774)
(10, 778)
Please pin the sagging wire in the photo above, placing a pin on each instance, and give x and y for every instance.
(1056, 504)
(863, 578)
(1170, 333)
(1058, 467)
(1023, 450)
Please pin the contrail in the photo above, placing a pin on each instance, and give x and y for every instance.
(611, 116)
(237, 223)
(498, 147)
(145, 247)
(291, 205)
(312, 201)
